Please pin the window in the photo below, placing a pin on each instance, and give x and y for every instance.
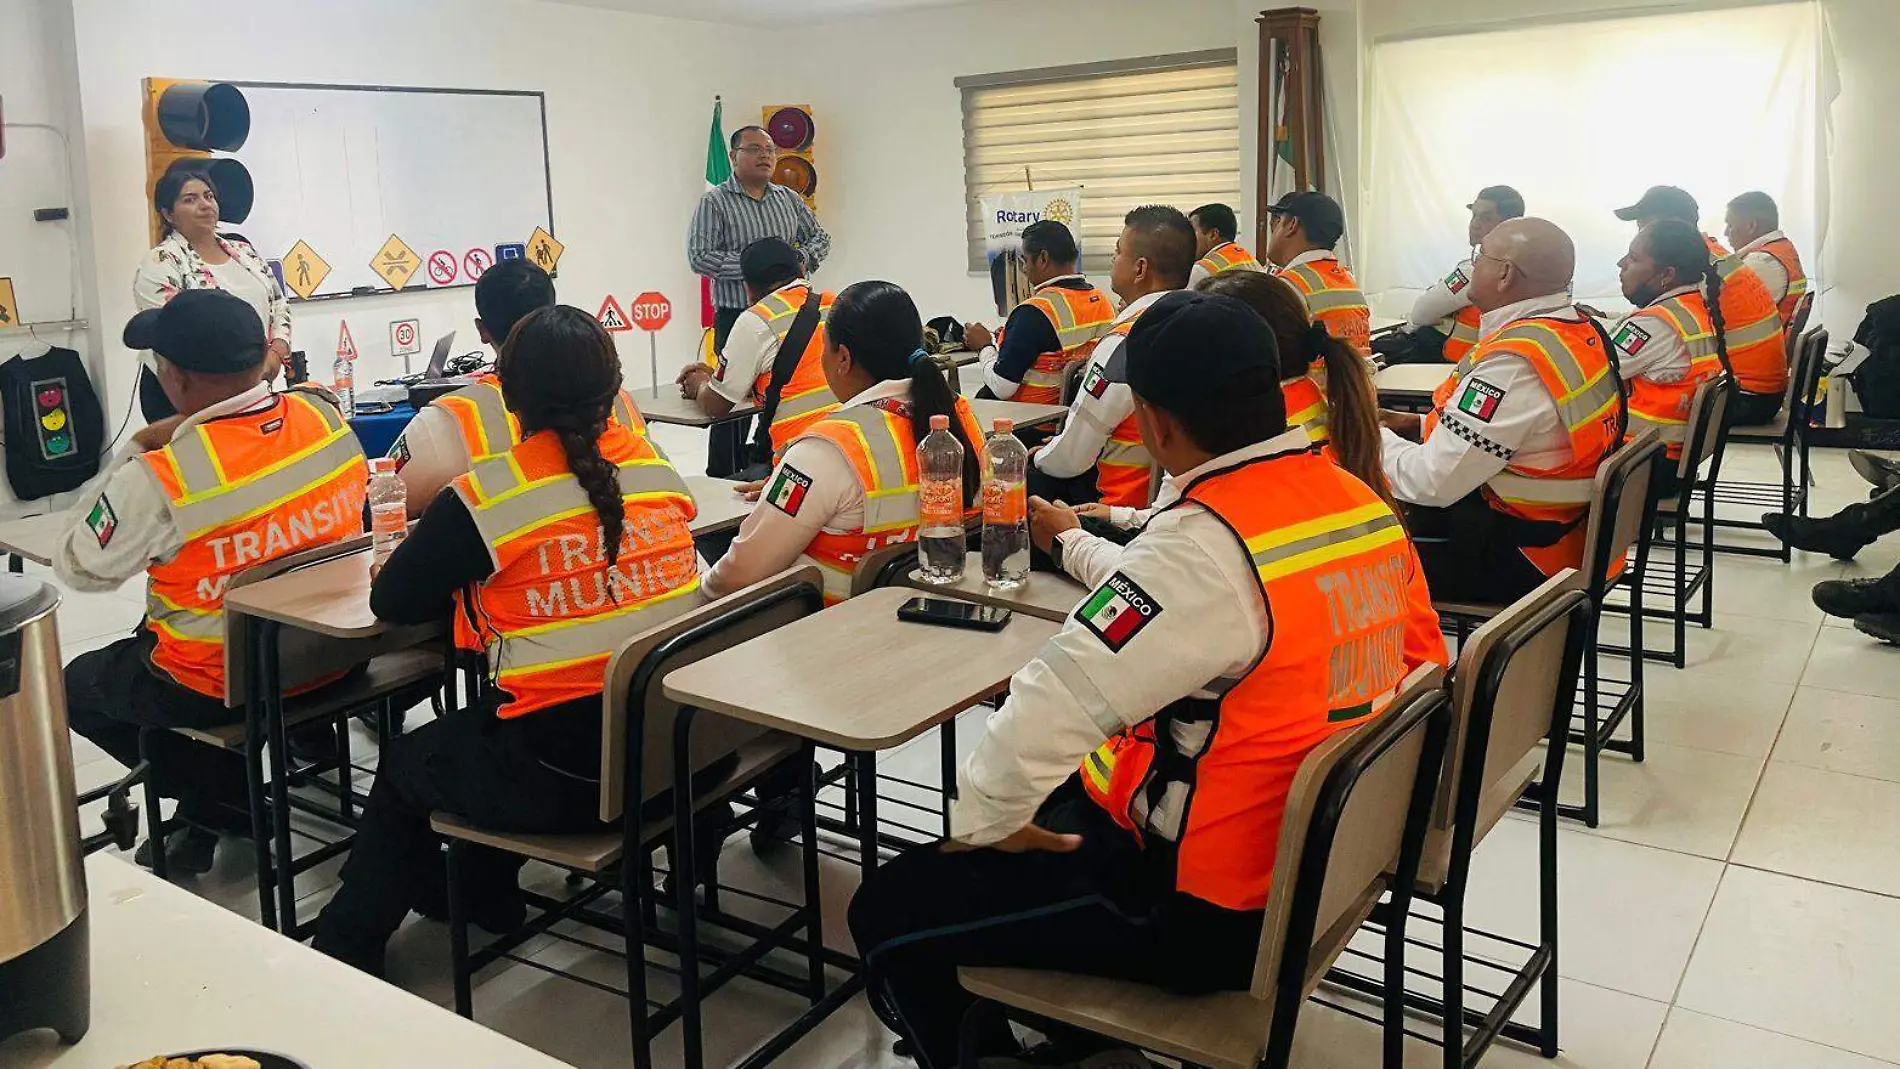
(1581, 117)
(1160, 130)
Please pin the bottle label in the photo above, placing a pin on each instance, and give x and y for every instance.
(1004, 503)
(389, 520)
(940, 504)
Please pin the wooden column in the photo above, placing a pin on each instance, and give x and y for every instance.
(1289, 59)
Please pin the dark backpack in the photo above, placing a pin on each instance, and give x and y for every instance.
(55, 429)
(1877, 380)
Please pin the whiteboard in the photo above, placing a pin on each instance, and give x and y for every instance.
(343, 168)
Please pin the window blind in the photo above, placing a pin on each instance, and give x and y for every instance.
(1160, 130)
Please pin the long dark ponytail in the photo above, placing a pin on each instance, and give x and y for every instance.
(560, 372)
(1352, 402)
(1674, 243)
(878, 323)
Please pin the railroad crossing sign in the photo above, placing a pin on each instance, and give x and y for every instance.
(396, 262)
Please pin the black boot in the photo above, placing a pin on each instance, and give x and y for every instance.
(1884, 626)
(1848, 598)
(1843, 534)
(1881, 471)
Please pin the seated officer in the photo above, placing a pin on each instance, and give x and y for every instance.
(451, 432)
(1672, 340)
(1497, 481)
(1236, 603)
(1052, 330)
(1756, 355)
(775, 280)
(1215, 228)
(1307, 227)
(548, 556)
(1443, 322)
(1753, 227)
(1098, 455)
(848, 484)
(241, 476)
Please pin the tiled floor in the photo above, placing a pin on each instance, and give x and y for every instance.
(1739, 908)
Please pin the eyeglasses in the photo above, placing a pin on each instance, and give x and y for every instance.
(758, 150)
(1482, 255)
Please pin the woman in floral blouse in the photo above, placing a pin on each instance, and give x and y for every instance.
(193, 256)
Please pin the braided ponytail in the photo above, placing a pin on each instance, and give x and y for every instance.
(560, 372)
(1712, 293)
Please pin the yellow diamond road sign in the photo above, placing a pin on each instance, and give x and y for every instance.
(543, 251)
(396, 262)
(304, 270)
(9, 306)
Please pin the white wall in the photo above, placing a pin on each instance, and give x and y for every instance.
(628, 99)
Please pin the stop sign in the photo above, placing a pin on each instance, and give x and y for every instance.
(651, 311)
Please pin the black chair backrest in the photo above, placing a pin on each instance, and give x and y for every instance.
(1707, 434)
(1798, 326)
(1805, 379)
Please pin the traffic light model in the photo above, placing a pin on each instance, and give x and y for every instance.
(185, 124)
(792, 128)
(53, 418)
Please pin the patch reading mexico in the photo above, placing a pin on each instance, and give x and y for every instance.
(103, 521)
(1632, 338)
(1480, 401)
(1118, 611)
(1096, 384)
(788, 490)
(1456, 281)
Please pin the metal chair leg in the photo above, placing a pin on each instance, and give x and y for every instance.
(1592, 748)
(1454, 975)
(814, 892)
(1547, 929)
(458, 931)
(636, 916)
(154, 822)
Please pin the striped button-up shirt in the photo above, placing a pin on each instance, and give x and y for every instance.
(727, 220)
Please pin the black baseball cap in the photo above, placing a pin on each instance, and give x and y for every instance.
(768, 257)
(1509, 201)
(1318, 214)
(1190, 344)
(201, 330)
(1663, 202)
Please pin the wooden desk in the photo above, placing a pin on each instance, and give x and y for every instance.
(1410, 385)
(671, 408)
(1024, 414)
(855, 677)
(1045, 596)
(32, 538)
(720, 506)
(173, 972)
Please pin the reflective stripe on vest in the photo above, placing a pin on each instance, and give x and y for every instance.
(1080, 319)
(1461, 332)
(1751, 325)
(1306, 408)
(806, 395)
(1227, 257)
(553, 612)
(1664, 406)
(1334, 299)
(489, 428)
(1124, 471)
(243, 490)
(1204, 783)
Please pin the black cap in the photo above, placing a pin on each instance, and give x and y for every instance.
(201, 330)
(1663, 202)
(1509, 201)
(1189, 344)
(767, 257)
(1318, 214)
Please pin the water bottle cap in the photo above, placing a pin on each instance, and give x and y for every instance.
(1003, 426)
(382, 466)
(940, 423)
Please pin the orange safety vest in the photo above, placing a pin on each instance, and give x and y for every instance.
(1203, 784)
(1751, 325)
(1571, 361)
(1124, 471)
(806, 396)
(1461, 332)
(1784, 253)
(245, 489)
(553, 612)
(1664, 406)
(1334, 300)
(1080, 318)
(1227, 257)
(1306, 408)
(488, 428)
(877, 439)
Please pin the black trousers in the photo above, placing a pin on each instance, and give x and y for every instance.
(1076, 490)
(1093, 911)
(726, 448)
(1753, 409)
(494, 772)
(1471, 552)
(113, 692)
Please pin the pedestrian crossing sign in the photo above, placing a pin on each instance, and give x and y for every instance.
(304, 270)
(9, 305)
(612, 316)
(543, 251)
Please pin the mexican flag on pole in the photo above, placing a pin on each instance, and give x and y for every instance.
(1280, 158)
(718, 169)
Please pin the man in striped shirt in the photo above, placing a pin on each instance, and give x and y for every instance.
(739, 211)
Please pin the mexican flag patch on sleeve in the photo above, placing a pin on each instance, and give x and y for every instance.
(102, 521)
(1117, 612)
(1479, 400)
(1631, 339)
(788, 490)
(1456, 281)
(1096, 384)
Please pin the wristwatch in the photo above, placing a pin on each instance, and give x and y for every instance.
(1055, 554)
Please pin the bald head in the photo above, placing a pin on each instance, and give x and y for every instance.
(1521, 259)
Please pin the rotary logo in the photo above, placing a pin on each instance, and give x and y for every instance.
(1060, 210)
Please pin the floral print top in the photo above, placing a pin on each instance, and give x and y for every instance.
(173, 265)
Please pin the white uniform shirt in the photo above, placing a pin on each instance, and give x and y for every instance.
(1471, 447)
(115, 533)
(750, 351)
(1447, 297)
(1772, 274)
(771, 539)
(1091, 419)
(430, 453)
(1647, 347)
(1211, 623)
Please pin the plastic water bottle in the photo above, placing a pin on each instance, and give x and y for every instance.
(388, 510)
(940, 504)
(343, 384)
(1005, 508)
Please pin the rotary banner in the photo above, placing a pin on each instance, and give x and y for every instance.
(1005, 215)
